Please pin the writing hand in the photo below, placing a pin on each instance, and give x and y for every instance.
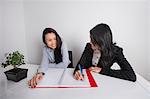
(78, 75)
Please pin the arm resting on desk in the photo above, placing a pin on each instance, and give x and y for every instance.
(126, 72)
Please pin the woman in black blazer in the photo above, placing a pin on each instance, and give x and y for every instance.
(100, 54)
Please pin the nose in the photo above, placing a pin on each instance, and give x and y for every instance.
(53, 42)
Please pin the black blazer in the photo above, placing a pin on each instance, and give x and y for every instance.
(126, 72)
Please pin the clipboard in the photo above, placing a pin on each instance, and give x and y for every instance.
(90, 79)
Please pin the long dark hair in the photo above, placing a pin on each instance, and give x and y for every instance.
(102, 36)
(57, 51)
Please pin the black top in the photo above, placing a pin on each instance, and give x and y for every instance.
(125, 72)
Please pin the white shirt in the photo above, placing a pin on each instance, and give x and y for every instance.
(48, 58)
(96, 57)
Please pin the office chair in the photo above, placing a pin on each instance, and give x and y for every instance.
(71, 59)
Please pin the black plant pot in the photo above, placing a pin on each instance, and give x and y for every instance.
(16, 74)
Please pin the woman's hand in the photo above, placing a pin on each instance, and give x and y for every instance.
(33, 82)
(78, 75)
(95, 69)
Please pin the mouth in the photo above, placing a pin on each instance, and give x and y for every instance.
(53, 46)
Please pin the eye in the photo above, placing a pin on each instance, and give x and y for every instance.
(49, 40)
(54, 38)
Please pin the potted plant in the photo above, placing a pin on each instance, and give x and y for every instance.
(15, 59)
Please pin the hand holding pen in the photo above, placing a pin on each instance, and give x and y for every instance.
(79, 74)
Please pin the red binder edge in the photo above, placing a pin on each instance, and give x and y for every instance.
(91, 81)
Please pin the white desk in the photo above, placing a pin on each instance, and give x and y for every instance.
(109, 88)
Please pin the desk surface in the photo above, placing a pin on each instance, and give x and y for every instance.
(109, 88)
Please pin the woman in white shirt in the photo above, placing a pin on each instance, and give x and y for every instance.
(55, 55)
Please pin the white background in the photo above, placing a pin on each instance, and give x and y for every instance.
(1, 47)
(22, 23)
(149, 41)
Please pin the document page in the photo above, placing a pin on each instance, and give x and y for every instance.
(69, 80)
(62, 78)
(51, 78)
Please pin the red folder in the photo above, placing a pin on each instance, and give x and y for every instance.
(90, 78)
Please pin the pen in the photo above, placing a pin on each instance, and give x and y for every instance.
(81, 70)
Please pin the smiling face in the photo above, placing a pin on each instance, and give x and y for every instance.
(50, 39)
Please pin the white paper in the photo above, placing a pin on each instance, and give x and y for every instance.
(62, 78)
(51, 78)
(69, 80)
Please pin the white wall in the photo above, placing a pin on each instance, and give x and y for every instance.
(14, 28)
(148, 77)
(24, 21)
(74, 19)
(1, 46)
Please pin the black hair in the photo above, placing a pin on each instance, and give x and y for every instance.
(102, 36)
(57, 51)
